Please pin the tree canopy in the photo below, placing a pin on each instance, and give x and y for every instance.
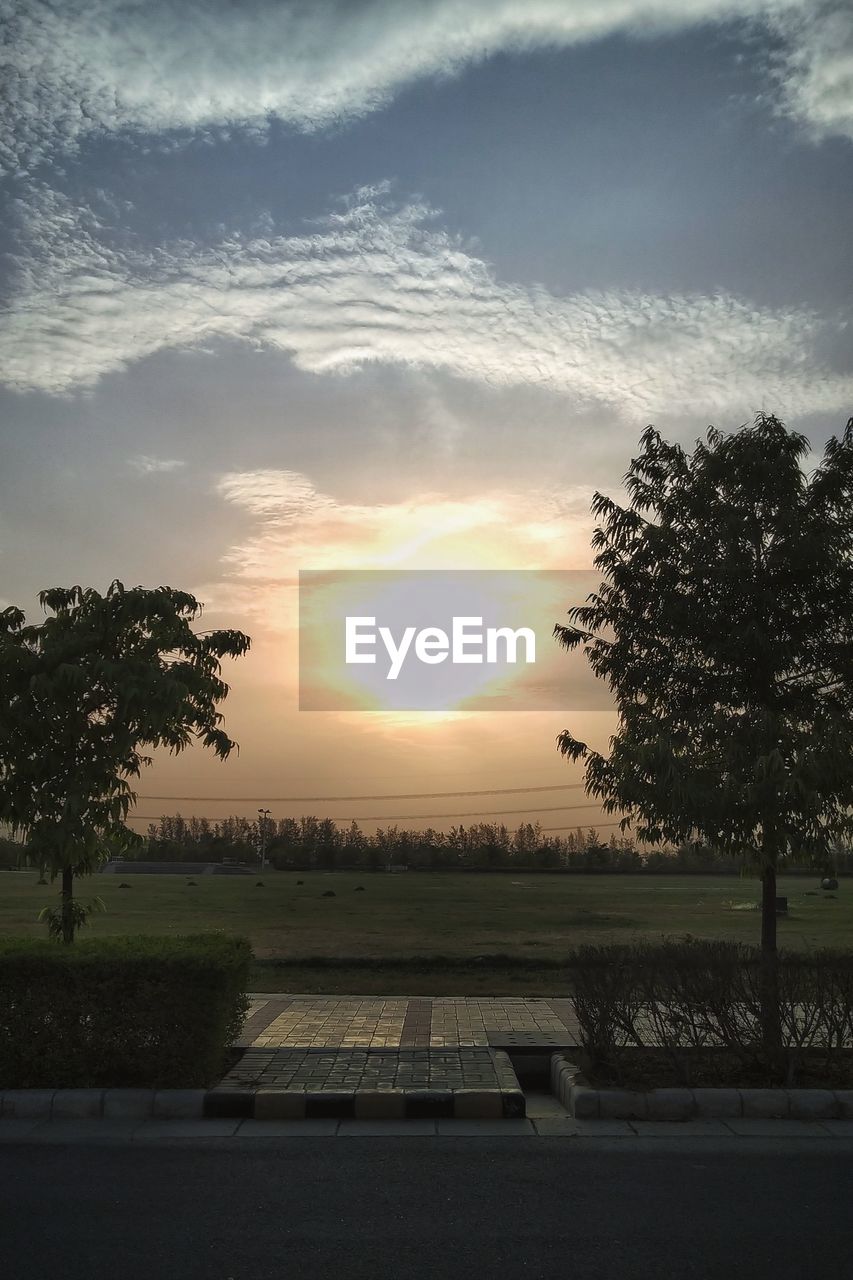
(724, 628)
(85, 694)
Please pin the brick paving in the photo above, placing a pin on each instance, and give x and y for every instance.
(327, 1022)
(312, 1070)
(330, 1022)
(319, 1056)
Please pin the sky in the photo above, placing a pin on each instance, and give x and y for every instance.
(375, 284)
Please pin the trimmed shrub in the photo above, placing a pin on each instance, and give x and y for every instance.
(686, 998)
(119, 1012)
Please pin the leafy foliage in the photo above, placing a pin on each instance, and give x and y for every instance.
(55, 917)
(724, 628)
(115, 1012)
(83, 696)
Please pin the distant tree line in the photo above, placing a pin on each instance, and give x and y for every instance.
(312, 843)
(319, 843)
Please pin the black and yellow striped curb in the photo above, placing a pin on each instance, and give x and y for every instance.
(400, 1084)
(586, 1103)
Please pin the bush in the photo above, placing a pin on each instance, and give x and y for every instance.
(116, 1012)
(688, 999)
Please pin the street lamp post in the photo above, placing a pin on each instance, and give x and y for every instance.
(263, 815)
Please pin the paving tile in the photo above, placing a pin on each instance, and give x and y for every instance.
(680, 1128)
(92, 1130)
(386, 1128)
(486, 1128)
(14, 1129)
(557, 1126)
(347, 1069)
(604, 1129)
(757, 1128)
(838, 1128)
(151, 1129)
(287, 1128)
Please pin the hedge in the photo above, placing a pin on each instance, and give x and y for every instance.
(680, 997)
(145, 1012)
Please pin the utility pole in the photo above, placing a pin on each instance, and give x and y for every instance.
(263, 815)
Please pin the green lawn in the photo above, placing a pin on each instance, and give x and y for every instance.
(530, 918)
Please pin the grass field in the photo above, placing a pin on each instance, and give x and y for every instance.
(533, 920)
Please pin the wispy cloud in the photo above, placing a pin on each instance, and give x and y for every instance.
(378, 282)
(299, 526)
(89, 67)
(815, 68)
(145, 465)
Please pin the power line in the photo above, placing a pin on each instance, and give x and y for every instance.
(411, 817)
(466, 813)
(411, 795)
(572, 826)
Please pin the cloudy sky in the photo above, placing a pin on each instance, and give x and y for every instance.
(362, 284)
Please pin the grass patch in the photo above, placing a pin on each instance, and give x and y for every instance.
(461, 979)
(437, 924)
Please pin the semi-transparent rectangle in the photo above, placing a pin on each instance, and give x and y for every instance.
(510, 616)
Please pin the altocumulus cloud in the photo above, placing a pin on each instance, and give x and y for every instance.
(378, 282)
(154, 67)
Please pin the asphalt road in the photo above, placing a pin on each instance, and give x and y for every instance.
(422, 1209)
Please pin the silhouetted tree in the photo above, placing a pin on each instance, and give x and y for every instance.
(82, 695)
(724, 628)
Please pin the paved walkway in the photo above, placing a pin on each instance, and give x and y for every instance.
(368, 1069)
(279, 1021)
(417, 1057)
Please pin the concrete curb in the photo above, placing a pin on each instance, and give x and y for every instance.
(261, 1104)
(586, 1103)
(106, 1104)
(254, 1102)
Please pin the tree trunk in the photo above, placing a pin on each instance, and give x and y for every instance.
(771, 1024)
(67, 905)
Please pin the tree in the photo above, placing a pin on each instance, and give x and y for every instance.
(83, 695)
(724, 627)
